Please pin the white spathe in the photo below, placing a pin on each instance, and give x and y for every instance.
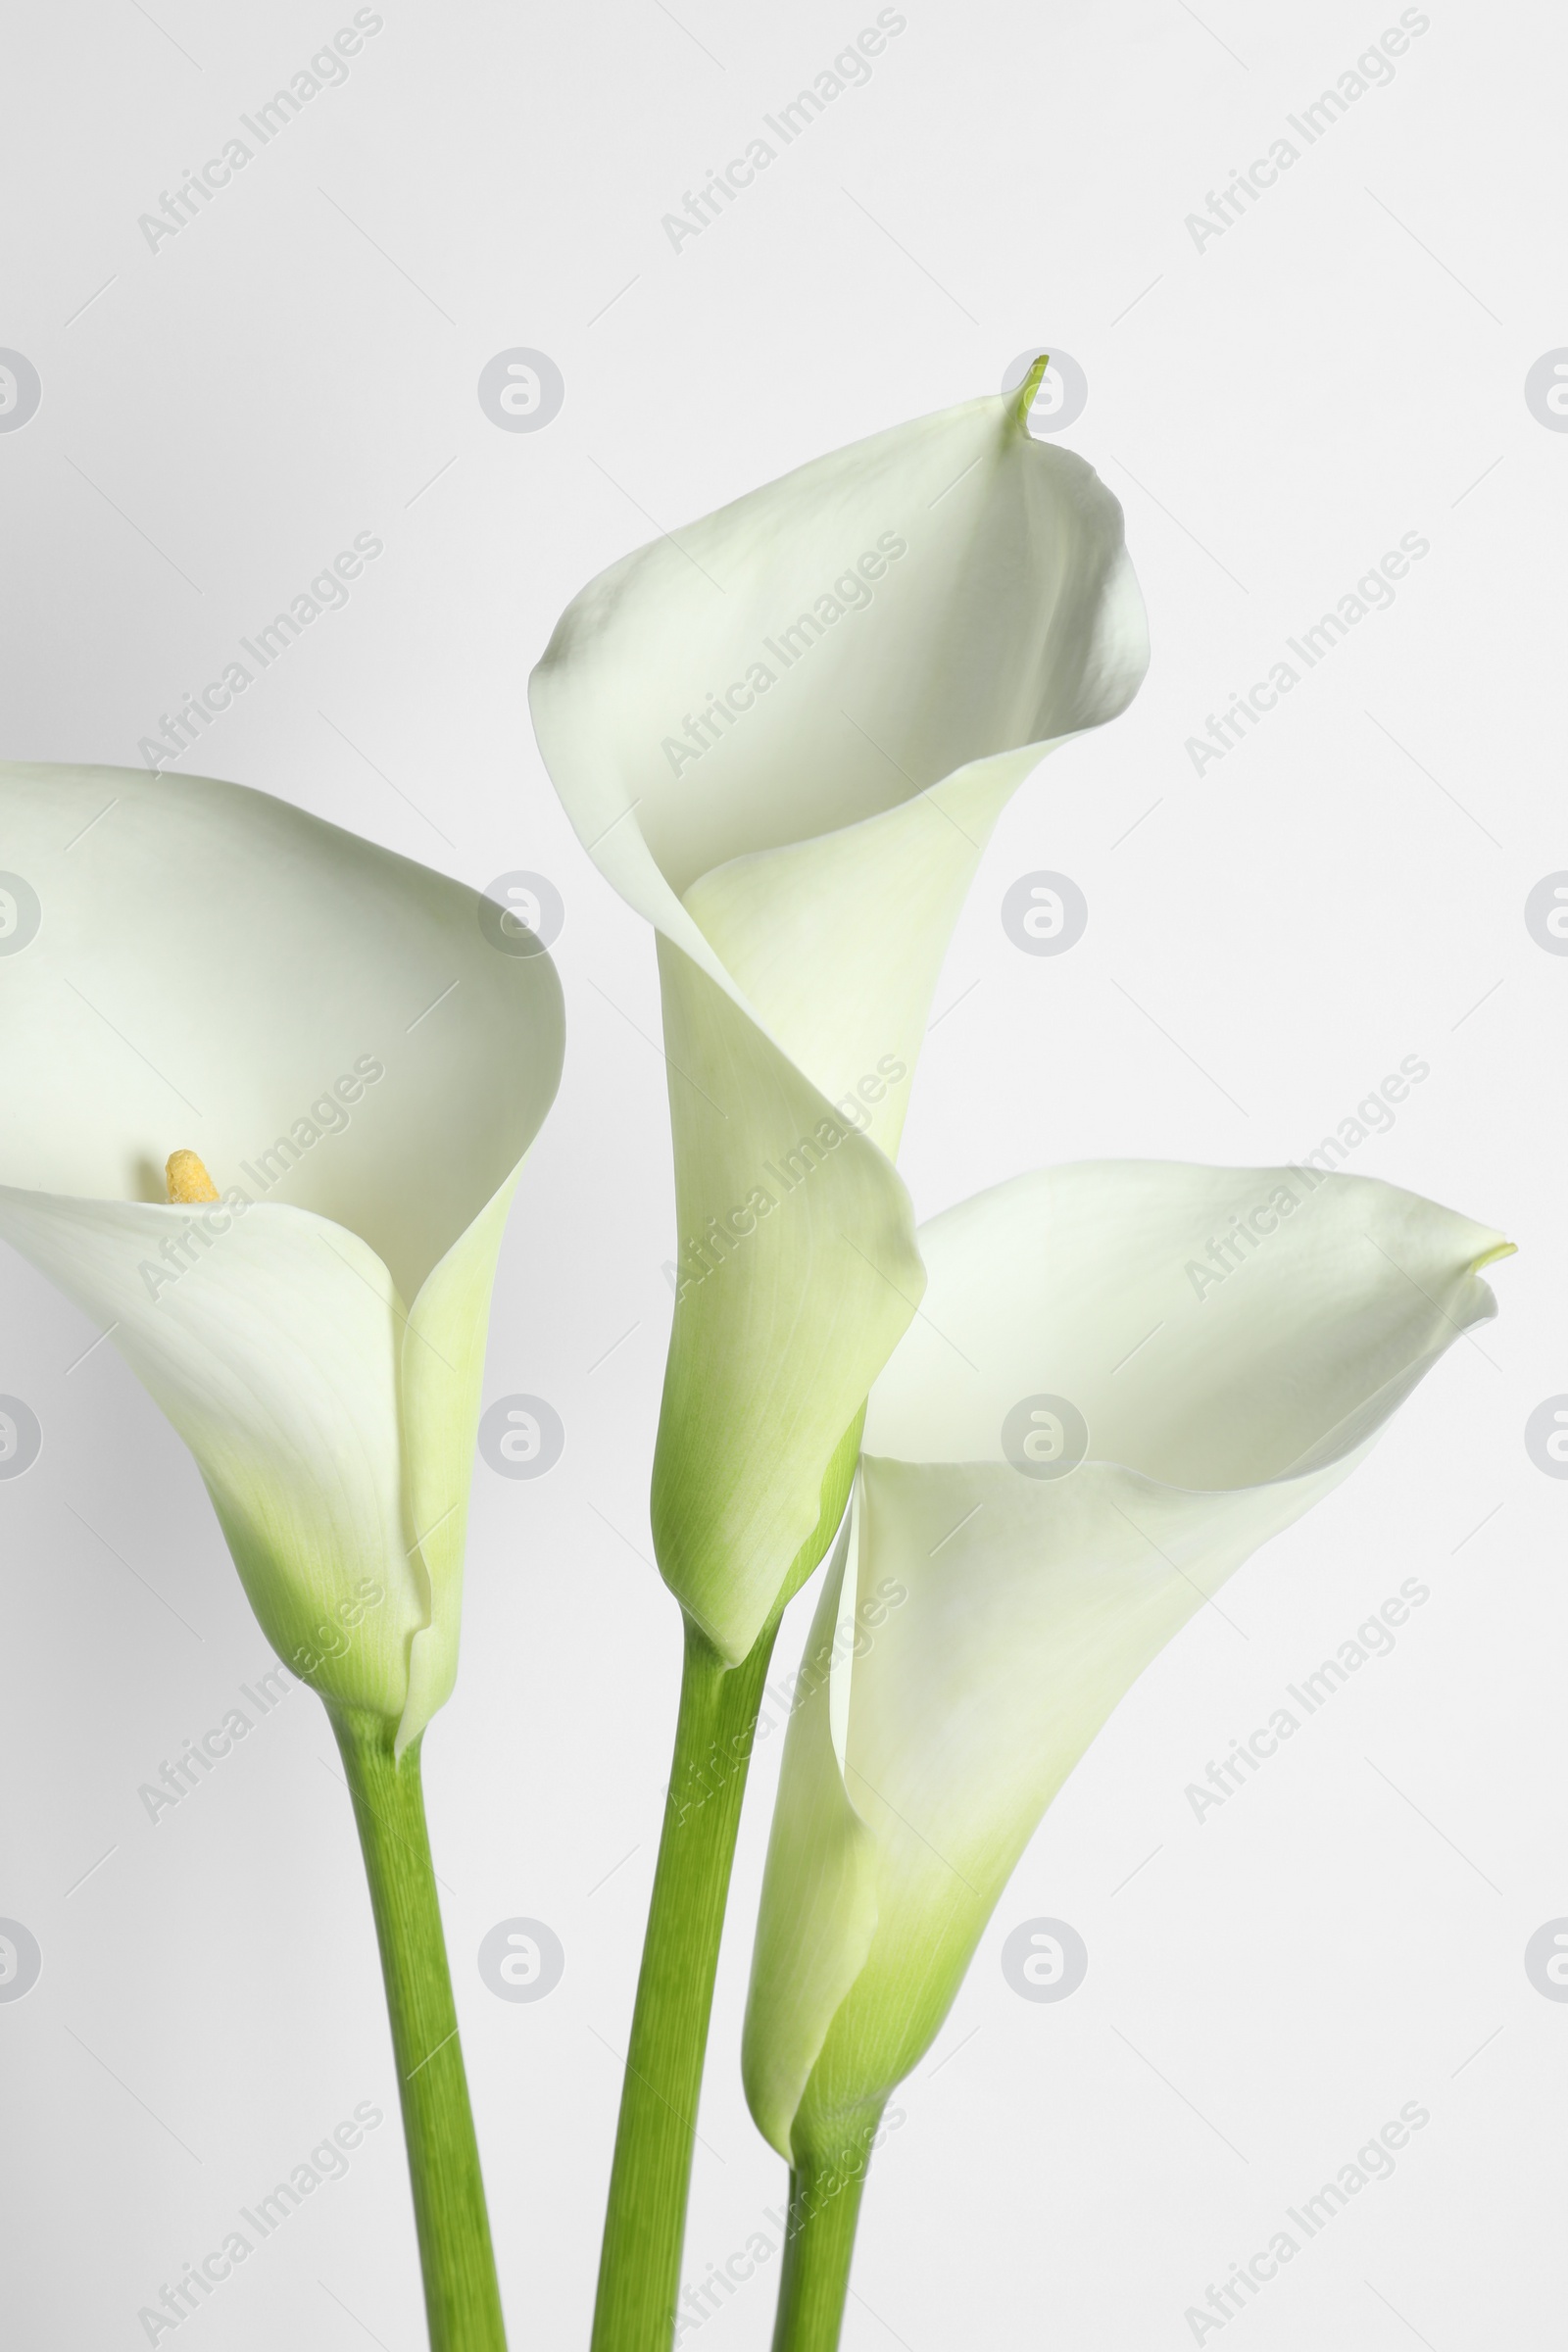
(1001, 1607)
(784, 734)
(332, 1030)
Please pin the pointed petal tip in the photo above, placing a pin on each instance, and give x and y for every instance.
(1024, 398)
(1490, 1257)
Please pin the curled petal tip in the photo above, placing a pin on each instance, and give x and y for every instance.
(1024, 399)
(187, 1179)
(1489, 1257)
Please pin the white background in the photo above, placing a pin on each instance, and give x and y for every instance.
(1343, 366)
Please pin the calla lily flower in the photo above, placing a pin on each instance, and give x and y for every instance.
(1125, 1376)
(268, 1093)
(784, 735)
(326, 1030)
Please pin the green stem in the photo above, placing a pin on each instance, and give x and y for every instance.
(462, 2300)
(824, 2207)
(639, 2269)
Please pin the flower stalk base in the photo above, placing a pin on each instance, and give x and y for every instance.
(639, 2273)
(824, 2208)
(462, 2299)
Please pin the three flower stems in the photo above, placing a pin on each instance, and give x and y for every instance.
(640, 2269)
(639, 2279)
(462, 2298)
